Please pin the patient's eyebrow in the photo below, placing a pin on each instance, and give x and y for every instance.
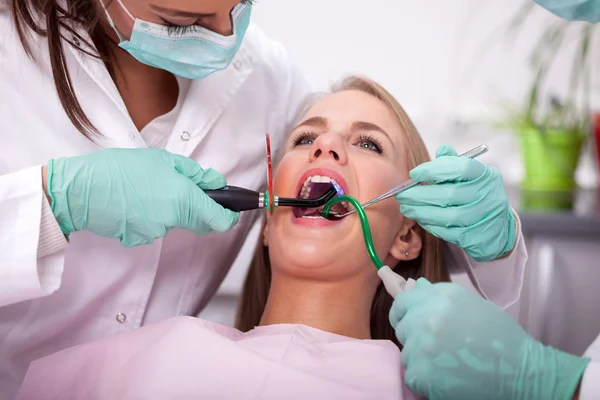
(369, 126)
(317, 122)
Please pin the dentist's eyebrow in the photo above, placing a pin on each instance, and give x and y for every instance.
(179, 13)
(317, 122)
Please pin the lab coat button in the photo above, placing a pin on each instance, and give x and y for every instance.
(121, 317)
(131, 135)
(237, 64)
(185, 136)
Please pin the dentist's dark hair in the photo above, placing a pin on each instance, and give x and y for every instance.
(49, 19)
(429, 264)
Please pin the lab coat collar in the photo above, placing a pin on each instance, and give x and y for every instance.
(206, 100)
(94, 66)
(204, 103)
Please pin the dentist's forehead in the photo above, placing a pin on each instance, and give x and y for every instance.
(191, 6)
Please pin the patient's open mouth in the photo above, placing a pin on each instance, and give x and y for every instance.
(314, 187)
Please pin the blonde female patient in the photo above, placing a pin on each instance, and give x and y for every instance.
(313, 318)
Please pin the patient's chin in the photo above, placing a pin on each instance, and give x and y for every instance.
(316, 261)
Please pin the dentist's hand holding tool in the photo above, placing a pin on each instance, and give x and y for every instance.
(459, 346)
(135, 195)
(467, 206)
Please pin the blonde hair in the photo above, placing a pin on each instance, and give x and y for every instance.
(429, 264)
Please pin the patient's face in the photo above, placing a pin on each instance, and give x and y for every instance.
(353, 139)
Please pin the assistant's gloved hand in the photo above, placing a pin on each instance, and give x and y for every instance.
(459, 346)
(573, 10)
(467, 206)
(136, 195)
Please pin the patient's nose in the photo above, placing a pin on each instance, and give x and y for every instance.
(329, 145)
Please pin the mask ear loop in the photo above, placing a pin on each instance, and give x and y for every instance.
(110, 20)
(269, 175)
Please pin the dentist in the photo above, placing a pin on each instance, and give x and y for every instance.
(116, 115)
(459, 346)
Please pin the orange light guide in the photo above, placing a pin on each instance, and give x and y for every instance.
(270, 175)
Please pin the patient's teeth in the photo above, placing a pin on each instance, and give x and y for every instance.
(320, 179)
(306, 187)
(346, 204)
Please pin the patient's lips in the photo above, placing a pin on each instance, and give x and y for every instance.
(313, 184)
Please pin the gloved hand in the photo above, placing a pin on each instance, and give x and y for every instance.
(460, 346)
(573, 10)
(136, 195)
(467, 206)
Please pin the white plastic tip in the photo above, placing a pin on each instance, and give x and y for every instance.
(393, 282)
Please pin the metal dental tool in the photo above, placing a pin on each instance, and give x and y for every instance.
(473, 153)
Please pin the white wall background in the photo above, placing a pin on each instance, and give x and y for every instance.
(444, 60)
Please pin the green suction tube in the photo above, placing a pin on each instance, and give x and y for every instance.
(364, 221)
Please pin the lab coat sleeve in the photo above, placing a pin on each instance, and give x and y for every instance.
(590, 383)
(500, 280)
(31, 246)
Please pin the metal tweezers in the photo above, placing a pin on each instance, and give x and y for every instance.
(473, 153)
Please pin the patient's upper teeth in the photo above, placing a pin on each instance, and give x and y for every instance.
(320, 179)
(306, 187)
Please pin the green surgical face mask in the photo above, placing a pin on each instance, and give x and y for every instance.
(194, 54)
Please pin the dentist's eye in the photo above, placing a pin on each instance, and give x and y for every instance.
(304, 138)
(369, 143)
(174, 30)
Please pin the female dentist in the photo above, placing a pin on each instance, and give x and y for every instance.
(109, 113)
(459, 346)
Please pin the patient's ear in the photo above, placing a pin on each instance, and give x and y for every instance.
(407, 243)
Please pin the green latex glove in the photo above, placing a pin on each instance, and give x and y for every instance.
(136, 195)
(467, 206)
(459, 346)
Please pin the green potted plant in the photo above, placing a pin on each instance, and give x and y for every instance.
(551, 133)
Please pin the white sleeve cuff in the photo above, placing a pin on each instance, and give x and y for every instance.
(52, 238)
(500, 280)
(24, 275)
(590, 383)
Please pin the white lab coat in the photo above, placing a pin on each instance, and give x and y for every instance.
(57, 295)
(590, 383)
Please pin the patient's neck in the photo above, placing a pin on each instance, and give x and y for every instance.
(343, 308)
